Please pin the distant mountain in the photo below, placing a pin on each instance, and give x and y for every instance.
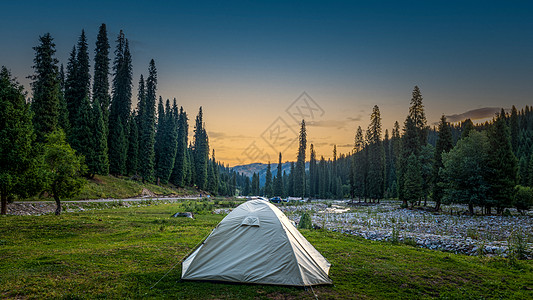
(260, 168)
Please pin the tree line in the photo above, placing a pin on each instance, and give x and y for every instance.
(73, 128)
(488, 165)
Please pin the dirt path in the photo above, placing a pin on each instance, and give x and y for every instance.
(27, 208)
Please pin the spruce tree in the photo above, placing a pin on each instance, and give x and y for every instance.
(255, 184)
(63, 119)
(530, 171)
(360, 165)
(46, 88)
(268, 181)
(322, 178)
(313, 175)
(467, 127)
(214, 187)
(118, 141)
(502, 163)
(168, 144)
(299, 176)
(376, 157)
(180, 163)
(413, 180)
(100, 161)
(132, 161)
(515, 129)
(159, 140)
(101, 75)
(71, 94)
(80, 136)
(120, 106)
(417, 115)
(16, 138)
(410, 146)
(201, 151)
(278, 183)
(444, 145)
(147, 128)
(290, 179)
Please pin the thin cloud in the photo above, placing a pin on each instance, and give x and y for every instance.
(328, 124)
(355, 119)
(475, 114)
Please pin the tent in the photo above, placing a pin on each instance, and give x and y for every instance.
(256, 243)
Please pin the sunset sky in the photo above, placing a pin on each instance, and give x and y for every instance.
(257, 68)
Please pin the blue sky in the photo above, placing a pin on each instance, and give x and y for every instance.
(246, 61)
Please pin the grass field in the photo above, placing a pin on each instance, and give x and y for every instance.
(122, 252)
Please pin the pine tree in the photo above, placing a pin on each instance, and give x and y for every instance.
(278, 183)
(201, 151)
(290, 181)
(360, 165)
(376, 157)
(268, 181)
(147, 128)
(168, 144)
(120, 107)
(515, 129)
(313, 175)
(160, 135)
(216, 174)
(467, 128)
(413, 180)
(255, 184)
(101, 75)
(117, 140)
(530, 171)
(100, 162)
(46, 88)
(80, 136)
(322, 178)
(417, 115)
(299, 176)
(179, 171)
(502, 163)
(132, 161)
(63, 119)
(71, 93)
(16, 138)
(444, 145)
(410, 146)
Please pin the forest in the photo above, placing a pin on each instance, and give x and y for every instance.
(488, 165)
(78, 124)
(72, 129)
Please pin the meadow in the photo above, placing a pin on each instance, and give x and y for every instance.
(122, 252)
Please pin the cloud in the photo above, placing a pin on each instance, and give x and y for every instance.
(223, 135)
(327, 124)
(475, 114)
(355, 119)
(345, 146)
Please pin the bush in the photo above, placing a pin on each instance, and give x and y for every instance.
(523, 199)
(305, 222)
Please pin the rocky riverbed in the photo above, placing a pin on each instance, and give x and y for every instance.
(471, 235)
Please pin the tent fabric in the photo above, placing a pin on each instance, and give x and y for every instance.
(256, 243)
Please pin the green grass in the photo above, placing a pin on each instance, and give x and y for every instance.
(122, 252)
(119, 188)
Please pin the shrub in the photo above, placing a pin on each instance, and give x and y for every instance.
(523, 199)
(305, 222)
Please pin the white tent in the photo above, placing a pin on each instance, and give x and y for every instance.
(256, 243)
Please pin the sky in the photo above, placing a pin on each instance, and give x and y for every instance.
(258, 67)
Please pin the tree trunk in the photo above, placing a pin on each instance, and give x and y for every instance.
(4, 203)
(471, 208)
(58, 205)
(437, 205)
